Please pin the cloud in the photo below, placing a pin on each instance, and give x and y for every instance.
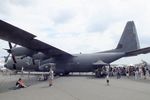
(23, 3)
(4, 8)
(3, 44)
(63, 17)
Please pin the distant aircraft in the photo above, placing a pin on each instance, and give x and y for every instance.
(36, 55)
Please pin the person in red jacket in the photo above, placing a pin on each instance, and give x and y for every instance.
(20, 83)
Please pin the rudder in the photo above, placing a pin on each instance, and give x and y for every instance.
(129, 40)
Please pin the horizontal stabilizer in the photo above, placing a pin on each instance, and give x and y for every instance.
(100, 62)
(137, 52)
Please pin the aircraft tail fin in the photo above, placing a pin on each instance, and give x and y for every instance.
(129, 40)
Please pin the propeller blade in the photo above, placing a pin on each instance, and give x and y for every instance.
(10, 46)
(14, 59)
(8, 50)
(6, 58)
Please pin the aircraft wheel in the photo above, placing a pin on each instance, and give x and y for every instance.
(64, 74)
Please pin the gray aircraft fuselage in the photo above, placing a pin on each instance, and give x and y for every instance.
(77, 63)
(84, 62)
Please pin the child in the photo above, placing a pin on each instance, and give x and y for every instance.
(107, 80)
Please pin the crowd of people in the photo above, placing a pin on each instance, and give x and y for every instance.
(138, 72)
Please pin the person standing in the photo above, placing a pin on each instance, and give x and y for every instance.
(107, 80)
(144, 72)
(108, 73)
(51, 77)
(136, 73)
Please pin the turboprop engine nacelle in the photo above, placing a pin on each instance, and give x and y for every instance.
(21, 51)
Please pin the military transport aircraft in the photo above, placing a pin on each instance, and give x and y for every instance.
(36, 55)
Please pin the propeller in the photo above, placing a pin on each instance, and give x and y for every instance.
(10, 53)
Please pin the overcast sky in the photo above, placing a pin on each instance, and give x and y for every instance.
(79, 25)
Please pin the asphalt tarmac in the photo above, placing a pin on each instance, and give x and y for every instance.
(75, 87)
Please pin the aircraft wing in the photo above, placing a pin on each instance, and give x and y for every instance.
(100, 62)
(16, 35)
(137, 52)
